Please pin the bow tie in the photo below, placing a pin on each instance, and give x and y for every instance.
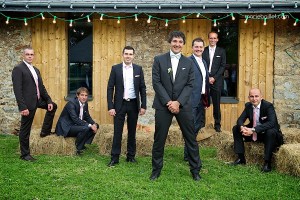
(176, 56)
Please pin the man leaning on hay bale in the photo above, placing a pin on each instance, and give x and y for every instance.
(75, 121)
(263, 127)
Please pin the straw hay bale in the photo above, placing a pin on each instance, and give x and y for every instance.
(291, 135)
(52, 144)
(288, 159)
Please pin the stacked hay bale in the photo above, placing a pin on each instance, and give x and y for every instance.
(51, 145)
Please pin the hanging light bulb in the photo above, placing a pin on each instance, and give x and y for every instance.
(118, 20)
(7, 20)
(54, 20)
(198, 15)
(296, 21)
(136, 18)
(149, 19)
(88, 18)
(232, 16)
(183, 19)
(166, 24)
(43, 18)
(215, 22)
(101, 17)
(246, 20)
(71, 23)
(283, 16)
(227, 6)
(25, 21)
(249, 6)
(265, 21)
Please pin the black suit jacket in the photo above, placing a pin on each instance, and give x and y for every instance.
(115, 87)
(267, 117)
(197, 86)
(165, 89)
(25, 87)
(218, 64)
(70, 117)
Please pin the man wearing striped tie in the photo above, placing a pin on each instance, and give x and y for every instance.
(263, 127)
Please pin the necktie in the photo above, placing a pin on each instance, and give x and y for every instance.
(176, 56)
(254, 135)
(37, 88)
(81, 111)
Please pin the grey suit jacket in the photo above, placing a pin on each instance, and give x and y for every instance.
(25, 88)
(168, 90)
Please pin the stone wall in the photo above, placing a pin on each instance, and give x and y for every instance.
(287, 73)
(13, 37)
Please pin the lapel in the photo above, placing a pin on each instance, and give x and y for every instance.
(169, 66)
(121, 74)
(196, 63)
(135, 72)
(29, 72)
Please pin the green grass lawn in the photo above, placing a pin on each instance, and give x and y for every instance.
(88, 177)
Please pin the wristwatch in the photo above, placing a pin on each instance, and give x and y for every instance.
(253, 130)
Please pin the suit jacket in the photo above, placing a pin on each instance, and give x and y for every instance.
(70, 117)
(197, 86)
(115, 87)
(168, 90)
(218, 64)
(25, 88)
(267, 117)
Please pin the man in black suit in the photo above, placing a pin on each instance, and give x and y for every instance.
(75, 121)
(31, 94)
(172, 79)
(126, 95)
(263, 127)
(200, 94)
(215, 58)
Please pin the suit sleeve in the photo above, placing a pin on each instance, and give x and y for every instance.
(110, 89)
(143, 91)
(159, 89)
(17, 86)
(70, 107)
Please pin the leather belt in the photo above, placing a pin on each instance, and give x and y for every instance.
(129, 99)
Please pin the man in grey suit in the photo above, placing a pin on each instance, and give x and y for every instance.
(172, 79)
(126, 95)
(75, 121)
(215, 58)
(31, 94)
(200, 94)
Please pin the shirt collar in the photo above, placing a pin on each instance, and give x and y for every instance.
(197, 58)
(27, 64)
(258, 106)
(81, 103)
(176, 55)
(124, 65)
(212, 48)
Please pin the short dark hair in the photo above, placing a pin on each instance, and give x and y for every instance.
(176, 34)
(213, 32)
(197, 40)
(27, 48)
(82, 89)
(128, 48)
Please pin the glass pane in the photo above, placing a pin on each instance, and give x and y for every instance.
(80, 57)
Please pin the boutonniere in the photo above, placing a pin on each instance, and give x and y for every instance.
(169, 70)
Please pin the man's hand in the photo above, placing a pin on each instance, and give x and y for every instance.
(246, 131)
(94, 128)
(50, 106)
(112, 112)
(25, 112)
(173, 106)
(142, 111)
(211, 80)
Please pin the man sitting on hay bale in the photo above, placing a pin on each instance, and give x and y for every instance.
(75, 121)
(263, 127)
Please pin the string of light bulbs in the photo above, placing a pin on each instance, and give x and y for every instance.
(150, 17)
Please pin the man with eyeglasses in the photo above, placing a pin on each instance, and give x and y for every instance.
(31, 94)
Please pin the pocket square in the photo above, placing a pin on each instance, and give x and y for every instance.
(183, 68)
(263, 118)
(137, 76)
(218, 56)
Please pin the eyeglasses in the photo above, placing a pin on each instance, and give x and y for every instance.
(28, 54)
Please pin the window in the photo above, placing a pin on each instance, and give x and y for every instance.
(80, 67)
(228, 39)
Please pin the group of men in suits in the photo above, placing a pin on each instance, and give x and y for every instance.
(182, 88)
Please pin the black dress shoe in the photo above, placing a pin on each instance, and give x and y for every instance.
(28, 158)
(42, 134)
(154, 175)
(79, 152)
(196, 177)
(133, 160)
(112, 163)
(218, 129)
(239, 162)
(266, 167)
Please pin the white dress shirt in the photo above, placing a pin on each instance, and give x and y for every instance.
(174, 61)
(203, 72)
(128, 82)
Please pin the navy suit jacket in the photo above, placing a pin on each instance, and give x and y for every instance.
(168, 90)
(218, 64)
(70, 117)
(25, 87)
(197, 86)
(115, 87)
(267, 117)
